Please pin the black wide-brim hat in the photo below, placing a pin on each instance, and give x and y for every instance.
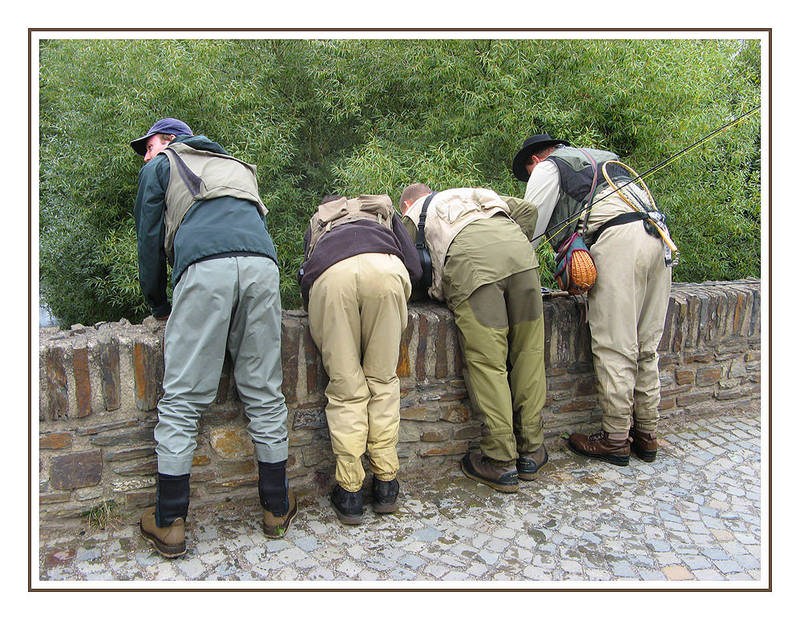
(533, 144)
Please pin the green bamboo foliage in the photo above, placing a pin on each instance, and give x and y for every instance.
(371, 116)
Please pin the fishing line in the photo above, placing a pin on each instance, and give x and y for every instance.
(654, 169)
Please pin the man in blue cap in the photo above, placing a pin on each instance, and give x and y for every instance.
(199, 209)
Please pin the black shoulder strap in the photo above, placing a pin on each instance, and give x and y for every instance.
(422, 216)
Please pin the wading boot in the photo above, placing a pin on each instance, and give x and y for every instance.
(529, 463)
(600, 446)
(644, 445)
(384, 495)
(500, 476)
(163, 525)
(348, 505)
(277, 501)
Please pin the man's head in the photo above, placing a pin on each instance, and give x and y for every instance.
(159, 136)
(412, 193)
(533, 151)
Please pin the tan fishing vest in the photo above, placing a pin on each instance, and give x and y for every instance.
(196, 175)
(374, 207)
(448, 214)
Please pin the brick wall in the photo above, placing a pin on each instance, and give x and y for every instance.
(98, 389)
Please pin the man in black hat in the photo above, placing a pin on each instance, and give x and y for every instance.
(628, 302)
(199, 209)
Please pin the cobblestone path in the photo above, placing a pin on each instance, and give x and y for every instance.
(692, 515)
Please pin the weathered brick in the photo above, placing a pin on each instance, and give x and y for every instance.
(55, 385)
(236, 468)
(403, 361)
(140, 499)
(108, 350)
(148, 373)
(144, 467)
(708, 376)
(455, 413)
(126, 438)
(684, 377)
(222, 486)
(128, 454)
(231, 443)
(418, 413)
(55, 441)
(456, 447)
(434, 436)
(309, 418)
(108, 426)
(83, 387)
(666, 404)
(468, 432)
(695, 397)
(578, 404)
(54, 498)
(290, 348)
(79, 469)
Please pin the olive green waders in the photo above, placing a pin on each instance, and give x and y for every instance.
(357, 313)
(501, 332)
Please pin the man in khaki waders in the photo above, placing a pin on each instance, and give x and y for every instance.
(484, 268)
(628, 302)
(355, 281)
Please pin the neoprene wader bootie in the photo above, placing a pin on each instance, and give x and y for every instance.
(277, 501)
(164, 525)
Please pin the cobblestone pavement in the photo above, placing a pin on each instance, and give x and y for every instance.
(694, 515)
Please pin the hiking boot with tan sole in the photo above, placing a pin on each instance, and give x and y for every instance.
(501, 477)
(169, 541)
(600, 446)
(276, 526)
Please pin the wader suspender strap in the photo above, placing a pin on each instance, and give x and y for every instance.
(422, 250)
(623, 218)
(591, 191)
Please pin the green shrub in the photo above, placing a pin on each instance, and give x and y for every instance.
(358, 116)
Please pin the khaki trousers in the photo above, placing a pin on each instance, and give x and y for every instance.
(627, 307)
(357, 313)
(501, 333)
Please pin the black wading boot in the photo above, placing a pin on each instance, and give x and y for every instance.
(163, 525)
(384, 495)
(349, 506)
(278, 502)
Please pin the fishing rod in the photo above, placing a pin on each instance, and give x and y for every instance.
(654, 169)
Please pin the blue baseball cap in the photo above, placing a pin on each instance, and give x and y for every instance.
(165, 125)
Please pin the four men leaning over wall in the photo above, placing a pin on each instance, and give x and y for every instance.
(199, 209)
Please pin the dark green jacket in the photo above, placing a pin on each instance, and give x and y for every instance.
(212, 228)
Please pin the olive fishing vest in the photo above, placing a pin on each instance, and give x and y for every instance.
(448, 214)
(203, 175)
(577, 175)
(374, 207)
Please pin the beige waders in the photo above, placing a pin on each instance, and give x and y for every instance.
(626, 311)
(357, 313)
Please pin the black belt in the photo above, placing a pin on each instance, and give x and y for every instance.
(619, 220)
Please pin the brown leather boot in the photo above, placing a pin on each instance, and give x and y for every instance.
(645, 445)
(599, 446)
(500, 476)
(169, 541)
(275, 526)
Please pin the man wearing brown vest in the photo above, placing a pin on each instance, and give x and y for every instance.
(484, 268)
(199, 209)
(356, 280)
